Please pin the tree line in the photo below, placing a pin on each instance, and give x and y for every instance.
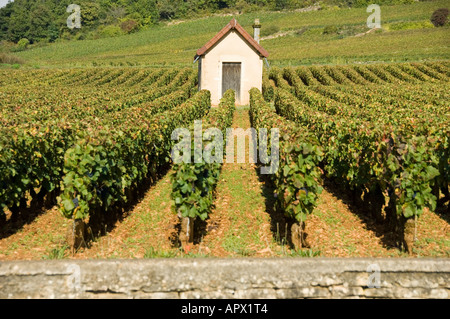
(46, 20)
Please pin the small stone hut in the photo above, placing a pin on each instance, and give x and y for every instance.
(233, 59)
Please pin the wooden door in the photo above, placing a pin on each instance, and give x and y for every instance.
(231, 78)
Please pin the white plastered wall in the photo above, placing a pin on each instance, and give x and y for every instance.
(231, 48)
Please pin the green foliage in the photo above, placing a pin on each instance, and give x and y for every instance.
(46, 20)
(40, 144)
(193, 183)
(297, 179)
(90, 14)
(129, 25)
(269, 30)
(308, 253)
(281, 4)
(57, 253)
(268, 87)
(408, 25)
(110, 31)
(153, 253)
(22, 44)
(366, 3)
(152, 44)
(330, 29)
(132, 145)
(369, 140)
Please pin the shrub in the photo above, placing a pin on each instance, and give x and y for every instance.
(330, 29)
(129, 25)
(10, 59)
(439, 17)
(408, 25)
(111, 31)
(22, 44)
(269, 30)
(80, 36)
(243, 6)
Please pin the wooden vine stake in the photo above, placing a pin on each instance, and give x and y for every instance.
(187, 231)
(409, 234)
(75, 235)
(298, 235)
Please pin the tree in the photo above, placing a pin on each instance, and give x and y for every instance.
(147, 9)
(22, 44)
(19, 24)
(90, 14)
(40, 19)
(5, 15)
(116, 14)
(167, 9)
(129, 25)
(52, 32)
(281, 4)
(439, 17)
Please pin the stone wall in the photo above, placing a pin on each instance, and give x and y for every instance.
(227, 278)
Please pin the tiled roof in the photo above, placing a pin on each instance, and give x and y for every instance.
(230, 26)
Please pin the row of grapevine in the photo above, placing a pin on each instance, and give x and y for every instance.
(338, 76)
(440, 67)
(102, 167)
(296, 180)
(37, 133)
(268, 87)
(276, 76)
(375, 158)
(352, 75)
(193, 183)
(392, 105)
(425, 95)
(417, 112)
(397, 73)
(37, 105)
(321, 75)
(306, 76)
(367, 74)
(383, 74)
(401, 111)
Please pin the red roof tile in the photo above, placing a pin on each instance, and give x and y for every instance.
(230, 26)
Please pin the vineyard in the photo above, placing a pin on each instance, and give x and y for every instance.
(386, 144)
(92, 144)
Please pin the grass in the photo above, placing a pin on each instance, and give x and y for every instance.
(57, 253)
(309, 253)
(177, 44)
(154, 253)
(10, 59)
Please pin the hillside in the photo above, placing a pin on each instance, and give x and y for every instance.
(297, 38)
